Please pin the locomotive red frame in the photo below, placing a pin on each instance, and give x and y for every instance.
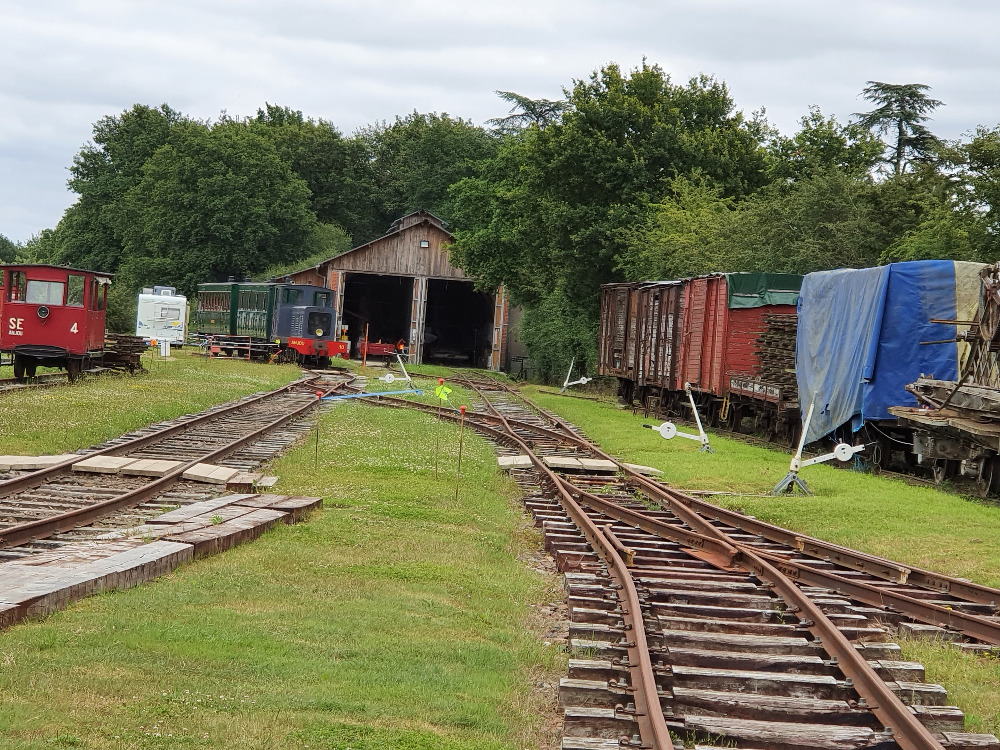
(52, 316)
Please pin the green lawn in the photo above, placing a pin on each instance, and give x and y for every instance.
(920, 526)
(67, 417)
(399, 616)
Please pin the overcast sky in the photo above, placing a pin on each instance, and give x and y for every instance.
(67, 63)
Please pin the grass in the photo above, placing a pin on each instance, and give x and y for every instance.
(920, 526)
(399, 616)
(64, 418)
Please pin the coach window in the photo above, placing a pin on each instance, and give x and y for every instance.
(293, 296)
(15, 292)
(74, 290)
(45, 292)
(322, 299)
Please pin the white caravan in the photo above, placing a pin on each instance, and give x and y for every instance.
(162, 315)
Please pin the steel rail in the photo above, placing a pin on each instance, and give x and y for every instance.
(648, 713)
(874, 565)
(978, 627)
(909, 732)
(45, 527)
(35, 478)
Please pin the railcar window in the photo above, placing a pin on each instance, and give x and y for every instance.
(74, 290)
(293, 296)
(15, 292)
(322, 299)
(45, 292)
(213, 301)
(97, 294)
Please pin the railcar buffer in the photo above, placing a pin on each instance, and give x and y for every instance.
(668, 430)
(842, 452)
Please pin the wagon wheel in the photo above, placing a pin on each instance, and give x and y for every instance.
(733, 418)
(72, 369)
(19, 367)
(30, 367)
(989, 476)
(942, 470)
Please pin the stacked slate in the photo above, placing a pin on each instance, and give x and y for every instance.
(776, 350)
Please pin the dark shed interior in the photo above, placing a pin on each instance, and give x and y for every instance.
(459, 325)
(384, 303)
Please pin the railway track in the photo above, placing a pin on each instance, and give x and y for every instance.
(55, 506)
(690, 623)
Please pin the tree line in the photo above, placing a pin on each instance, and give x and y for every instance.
(629, 176)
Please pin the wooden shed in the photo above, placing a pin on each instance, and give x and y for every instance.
(402, 287)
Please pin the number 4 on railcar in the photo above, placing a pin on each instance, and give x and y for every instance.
(52, 316)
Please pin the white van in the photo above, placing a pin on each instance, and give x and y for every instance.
(162, 315)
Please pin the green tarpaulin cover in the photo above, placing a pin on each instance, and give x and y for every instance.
(755, 289)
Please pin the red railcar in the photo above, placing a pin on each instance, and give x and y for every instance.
(659, 336)
(52, 316)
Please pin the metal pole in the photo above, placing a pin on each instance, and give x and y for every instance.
(461, 433)
(437, 441)
(364, 357)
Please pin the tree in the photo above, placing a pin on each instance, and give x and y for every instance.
(550, 214)
(8, 250)
(527, 112)
(215, 201)
(90, 233)
(418, 158)
(902, 109)
(821, 144)
(335, 168)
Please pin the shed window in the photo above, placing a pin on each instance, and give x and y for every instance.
(74, 290)
(15, 292)
(45, 292)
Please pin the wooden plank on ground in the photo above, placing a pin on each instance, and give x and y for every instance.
(210, 473)
(151, 467)
(219, 537)
(297, 507)
(188, 512)
(103, 464)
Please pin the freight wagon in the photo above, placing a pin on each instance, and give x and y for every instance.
(288, 322)
(659, 337)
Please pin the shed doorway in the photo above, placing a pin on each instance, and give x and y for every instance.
(459, 325)
(383, 303)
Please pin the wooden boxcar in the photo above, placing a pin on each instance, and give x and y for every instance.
(657, 337)
(52, 316)
(293, 321)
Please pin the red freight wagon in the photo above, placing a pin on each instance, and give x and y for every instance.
(52, 316)
(723, 320)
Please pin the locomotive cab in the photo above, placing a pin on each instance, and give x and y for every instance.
(306, 320)
(52, 316)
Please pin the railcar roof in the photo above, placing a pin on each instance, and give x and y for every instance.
(58, 268)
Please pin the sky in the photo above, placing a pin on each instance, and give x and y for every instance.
(64, 64)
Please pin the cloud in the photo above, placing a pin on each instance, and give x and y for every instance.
(67, 64)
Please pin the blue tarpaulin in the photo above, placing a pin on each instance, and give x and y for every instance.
(860, 331)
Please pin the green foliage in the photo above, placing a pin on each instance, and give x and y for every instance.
(902, 109)
(216, 201)
(555, 207)
(335, 168)
(824, 144)
(416, 159)
(9, 250)
(326, 241)
(682, 234)
(526, 112)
